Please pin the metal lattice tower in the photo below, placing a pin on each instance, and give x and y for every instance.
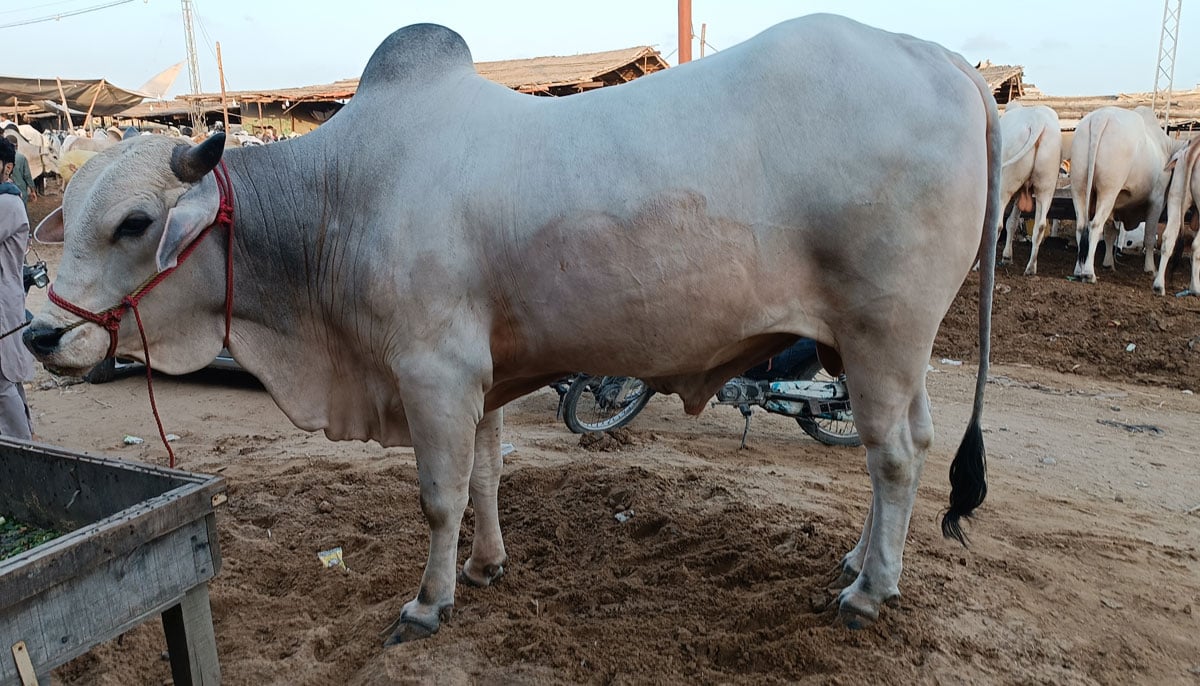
(1168, 41)
(193, 60)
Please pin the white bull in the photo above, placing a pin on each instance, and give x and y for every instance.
(41, 150)
(679, 228)
(1184, 191)
(1118, 162)
(1032, 155)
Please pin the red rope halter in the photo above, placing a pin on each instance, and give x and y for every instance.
(110, 319)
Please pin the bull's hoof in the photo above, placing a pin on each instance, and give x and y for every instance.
(1031, 271)
(1004, 261)
(858, 610)
(480, 578)
(1159, 290)
(409, 630)
(412, 627)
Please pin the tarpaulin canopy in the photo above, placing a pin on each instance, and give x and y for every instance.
(80, 94)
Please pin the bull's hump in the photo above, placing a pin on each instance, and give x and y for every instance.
(416, 52)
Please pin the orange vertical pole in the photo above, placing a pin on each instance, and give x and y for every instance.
(685, 31)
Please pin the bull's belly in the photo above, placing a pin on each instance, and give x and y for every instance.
(672, 294)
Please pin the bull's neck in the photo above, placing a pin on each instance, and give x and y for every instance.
(282, 208)
(280, 202)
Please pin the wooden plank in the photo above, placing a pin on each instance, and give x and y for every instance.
(24, 665)
(191, 642)
(66, 620)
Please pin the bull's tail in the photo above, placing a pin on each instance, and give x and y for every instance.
(1088, 205)
(1031, 139)
(968, 471)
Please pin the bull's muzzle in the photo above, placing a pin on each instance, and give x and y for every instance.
(42, 340)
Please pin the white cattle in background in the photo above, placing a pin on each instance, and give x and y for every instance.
(1032, 154)
(41, 150)
(1184, 191)
(1119, 158)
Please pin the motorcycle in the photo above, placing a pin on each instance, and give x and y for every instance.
(793, 384)
(589, 403)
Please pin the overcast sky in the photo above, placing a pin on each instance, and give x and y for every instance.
(1068, 47)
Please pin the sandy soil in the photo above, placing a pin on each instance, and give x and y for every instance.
(1084, 565)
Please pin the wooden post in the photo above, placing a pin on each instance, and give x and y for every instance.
(88, 118)
(66, 108)
(703, 30)
(15, 110)
(685, 31)
(191, 643)
(224, 102)
(258, 123)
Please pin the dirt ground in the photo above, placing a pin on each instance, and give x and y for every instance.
(1083, 567)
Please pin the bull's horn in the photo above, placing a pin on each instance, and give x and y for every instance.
(191, 162)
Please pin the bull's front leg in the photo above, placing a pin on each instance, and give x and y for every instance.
(443, 426)
(486, 563)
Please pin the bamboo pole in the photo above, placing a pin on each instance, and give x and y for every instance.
(703, 30)
(87, 120)
(66, 109)
(224, 102)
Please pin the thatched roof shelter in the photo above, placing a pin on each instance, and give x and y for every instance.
(1185, 106)
(1005, 80)
(559, 75)
(563, 75)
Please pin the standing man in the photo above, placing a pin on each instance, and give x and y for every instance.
(21, 176)
(16, 364)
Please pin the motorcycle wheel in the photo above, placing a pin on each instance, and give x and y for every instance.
(840, 432)
(603, 403)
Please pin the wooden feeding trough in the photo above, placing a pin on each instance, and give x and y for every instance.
(138, 541)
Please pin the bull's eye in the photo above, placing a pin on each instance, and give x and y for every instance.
(133, 226)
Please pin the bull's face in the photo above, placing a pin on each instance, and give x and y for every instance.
(127, 215)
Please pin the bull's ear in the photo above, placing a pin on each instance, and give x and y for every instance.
(195, 211)
(50, 230)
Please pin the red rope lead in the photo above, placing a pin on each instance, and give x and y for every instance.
(137, 316)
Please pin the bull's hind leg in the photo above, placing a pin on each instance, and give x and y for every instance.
(1041, 211)
(892, 416)
(486, 563)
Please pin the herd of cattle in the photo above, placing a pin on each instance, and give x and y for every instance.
(62, 153)
(1124, 168)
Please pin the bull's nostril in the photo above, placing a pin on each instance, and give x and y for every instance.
(42, 340)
